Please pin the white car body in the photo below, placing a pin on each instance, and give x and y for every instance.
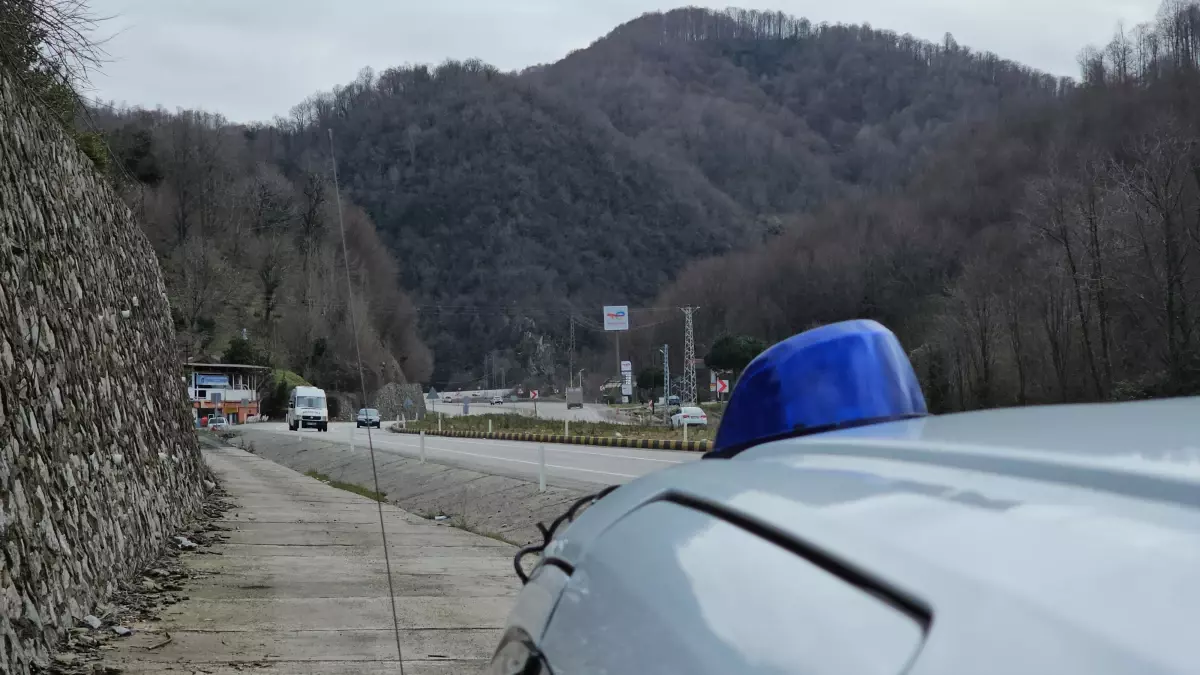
(497, 400)
(218, 423)
(308, 408)
(690, 416)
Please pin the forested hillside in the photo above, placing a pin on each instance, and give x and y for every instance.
(507, 207)
(1048, 256)
(1031, 238)
(251, 247)
(516, 202)
(783, 115)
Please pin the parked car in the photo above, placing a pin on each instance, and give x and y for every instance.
(689, 415)
(497, 400)
(368, 417)
(447, 399)
(218, 424)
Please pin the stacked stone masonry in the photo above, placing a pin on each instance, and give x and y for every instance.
(99, 464)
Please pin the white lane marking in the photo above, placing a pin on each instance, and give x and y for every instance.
(517, 461)
(554, 448)
(389, 440)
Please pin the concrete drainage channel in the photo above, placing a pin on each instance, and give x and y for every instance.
(501, 507)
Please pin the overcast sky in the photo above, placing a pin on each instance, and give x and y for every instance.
(254, 59)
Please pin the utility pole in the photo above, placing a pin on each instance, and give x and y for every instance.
(689, 356)
(571, 354)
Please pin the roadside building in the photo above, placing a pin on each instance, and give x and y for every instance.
(227, 389)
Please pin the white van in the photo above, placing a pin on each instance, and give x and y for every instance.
(307, 408)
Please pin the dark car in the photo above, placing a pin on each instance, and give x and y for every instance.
(368, 417)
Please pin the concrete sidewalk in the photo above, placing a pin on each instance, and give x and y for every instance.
(300, 587)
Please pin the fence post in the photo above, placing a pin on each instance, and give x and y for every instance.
(439, 424)
(489, 426)
(422, 447)
(541, 468)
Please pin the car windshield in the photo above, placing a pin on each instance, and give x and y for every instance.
(368, 412)
(310, 401)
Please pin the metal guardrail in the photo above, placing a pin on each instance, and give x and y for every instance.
(602, 441)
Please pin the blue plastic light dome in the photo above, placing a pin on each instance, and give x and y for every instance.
(841, 375)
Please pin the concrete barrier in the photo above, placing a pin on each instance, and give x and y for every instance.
(602, 441)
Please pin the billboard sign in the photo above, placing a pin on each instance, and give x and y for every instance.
(616, 317)
(627, 366)
(212, 380)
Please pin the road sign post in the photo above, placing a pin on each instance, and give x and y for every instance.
(533, 395)
(616, 319)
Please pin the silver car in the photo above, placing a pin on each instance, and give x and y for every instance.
(1056, 539)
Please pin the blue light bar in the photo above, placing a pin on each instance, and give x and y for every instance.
(845, 374)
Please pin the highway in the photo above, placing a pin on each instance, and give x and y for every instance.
(571, 463)
(551, 410)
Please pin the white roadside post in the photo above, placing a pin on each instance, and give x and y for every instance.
(489, 426)
(566, 427)
(422, 447)
(541, 468)
(685, 426)
(439, 424)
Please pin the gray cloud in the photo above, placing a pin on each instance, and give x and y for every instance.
(254, 59)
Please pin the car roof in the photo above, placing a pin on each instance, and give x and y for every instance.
(1071, 527)
(309, 391)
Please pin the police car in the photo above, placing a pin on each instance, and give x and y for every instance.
(838, 529)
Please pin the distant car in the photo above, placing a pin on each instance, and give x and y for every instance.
(674, 400)
(447, 399)
(497, 400)
(218, 424)
(368, 417)
(689, 416)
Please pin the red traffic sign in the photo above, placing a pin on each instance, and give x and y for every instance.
(722, 386)
(533, 393)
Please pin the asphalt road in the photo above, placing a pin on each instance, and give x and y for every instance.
(574, 463)
(551, 410)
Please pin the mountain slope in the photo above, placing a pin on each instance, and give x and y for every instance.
(504, 199)
(780, 114)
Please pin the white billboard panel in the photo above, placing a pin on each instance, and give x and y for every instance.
(616, 317)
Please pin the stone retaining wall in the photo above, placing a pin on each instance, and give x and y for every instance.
(98, 459)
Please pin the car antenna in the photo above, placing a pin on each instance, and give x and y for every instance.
(362, 381)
